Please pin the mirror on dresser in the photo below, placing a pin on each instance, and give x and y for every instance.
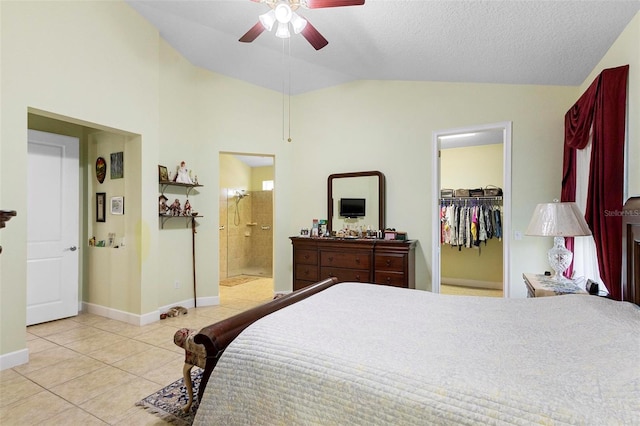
(363, 196)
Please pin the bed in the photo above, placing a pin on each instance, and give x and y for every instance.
(354, 353)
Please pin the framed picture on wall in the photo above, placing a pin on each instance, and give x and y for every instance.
(163, 174)
(117, 205)
(101, 204)
(117, 165)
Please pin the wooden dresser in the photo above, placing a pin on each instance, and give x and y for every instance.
(361, 260)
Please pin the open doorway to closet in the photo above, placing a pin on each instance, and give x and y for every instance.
(471, 229)
(246, 218)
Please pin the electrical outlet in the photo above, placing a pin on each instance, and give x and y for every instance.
(176, 284)
(517, 235)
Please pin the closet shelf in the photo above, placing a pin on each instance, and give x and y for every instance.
(482, 197)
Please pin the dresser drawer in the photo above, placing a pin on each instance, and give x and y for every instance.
(390, 262)
(346, 259)
(346, 274)
(395, 279)
(306, 272)
(308, 257)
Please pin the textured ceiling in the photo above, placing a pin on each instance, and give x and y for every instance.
(510, 42)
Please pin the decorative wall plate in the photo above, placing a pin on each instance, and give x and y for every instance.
(101, 169)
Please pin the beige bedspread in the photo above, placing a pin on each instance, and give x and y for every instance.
(360, 354)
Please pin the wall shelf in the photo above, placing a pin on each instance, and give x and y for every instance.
(190, 220)
(188, 186)
(164, 218)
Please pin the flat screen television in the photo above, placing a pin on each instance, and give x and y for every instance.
(352, 207)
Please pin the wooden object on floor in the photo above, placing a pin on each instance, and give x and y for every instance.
(358, 260)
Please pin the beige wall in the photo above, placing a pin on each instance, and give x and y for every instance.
(115, 72)
(388, 126)
(88, 80)
(260, 174)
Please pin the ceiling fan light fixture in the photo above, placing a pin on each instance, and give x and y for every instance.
(298, 23)
(283, 30)
(268, 19)
(283, 12)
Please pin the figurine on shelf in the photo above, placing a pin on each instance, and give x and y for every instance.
(162, 205)
(183, 174)
(175, 208)
(187, 209)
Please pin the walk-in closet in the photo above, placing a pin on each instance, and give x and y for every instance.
(471, 215)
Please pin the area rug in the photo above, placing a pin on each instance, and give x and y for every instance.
(167, 403)
(237, 280)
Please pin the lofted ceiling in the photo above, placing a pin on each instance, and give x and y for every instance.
(550, 42)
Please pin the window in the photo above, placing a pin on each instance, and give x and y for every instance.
(267, 185)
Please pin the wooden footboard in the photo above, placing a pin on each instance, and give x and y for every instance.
(218, 336)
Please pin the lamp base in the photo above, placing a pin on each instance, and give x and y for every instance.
(559, 258)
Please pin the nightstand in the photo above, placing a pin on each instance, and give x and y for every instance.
(539, 285)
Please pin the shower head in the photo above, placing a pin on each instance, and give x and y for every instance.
(241, 194)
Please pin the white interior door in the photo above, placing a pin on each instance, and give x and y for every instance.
(52, 227)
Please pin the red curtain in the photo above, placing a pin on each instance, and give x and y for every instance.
(601, 111)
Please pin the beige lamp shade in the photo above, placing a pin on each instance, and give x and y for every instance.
(558, 220)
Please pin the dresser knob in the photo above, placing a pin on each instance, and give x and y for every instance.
(306, 256)
(358, 278)
(330, 258)
(357, 260)
(388, 279)
(388, 262)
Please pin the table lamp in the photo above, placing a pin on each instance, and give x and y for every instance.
(558, 220)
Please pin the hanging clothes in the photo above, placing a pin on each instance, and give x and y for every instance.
(469, 222)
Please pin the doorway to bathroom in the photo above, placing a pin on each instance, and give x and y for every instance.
(246, 217)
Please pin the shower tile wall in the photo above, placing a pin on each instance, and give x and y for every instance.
(262, 233)
(246, 242)
(238, 215)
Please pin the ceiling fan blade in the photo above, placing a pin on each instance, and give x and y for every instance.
(313, 36)
(317, 4)
(253, 33)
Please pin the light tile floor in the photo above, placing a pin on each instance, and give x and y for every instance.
(91, 370)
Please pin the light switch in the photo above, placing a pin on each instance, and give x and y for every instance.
(517, 235)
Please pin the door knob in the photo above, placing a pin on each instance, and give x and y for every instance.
(73, 248)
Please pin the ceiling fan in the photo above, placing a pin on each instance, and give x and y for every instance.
(283, 12)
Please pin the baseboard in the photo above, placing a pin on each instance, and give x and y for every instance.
(149, 317)
(208, 301)
(13, 359)
(471, 283)
(119, 315)
(202, 301)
